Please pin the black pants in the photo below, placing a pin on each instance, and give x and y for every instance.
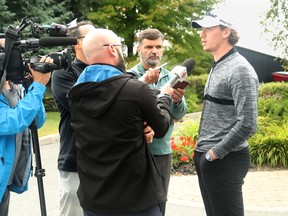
(163, 163)
(4, 205)
(221, 182)
(153, 211)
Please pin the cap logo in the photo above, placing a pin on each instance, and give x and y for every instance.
(220, 20)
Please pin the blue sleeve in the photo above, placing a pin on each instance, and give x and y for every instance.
(16, 119)
(41, 116)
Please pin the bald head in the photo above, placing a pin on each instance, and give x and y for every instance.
(94, 50)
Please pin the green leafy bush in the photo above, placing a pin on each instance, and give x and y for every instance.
(269, 146)
(50, 105)
(49, 102)
(194, 93)
(188, 127)
(273, 99)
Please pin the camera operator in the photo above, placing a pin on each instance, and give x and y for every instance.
(18, 109)
(61, 82)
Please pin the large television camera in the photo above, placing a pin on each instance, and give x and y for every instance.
(13, 52)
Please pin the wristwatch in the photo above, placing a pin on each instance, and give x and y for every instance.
(208, 156)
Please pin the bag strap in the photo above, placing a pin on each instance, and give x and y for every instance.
(10, 36)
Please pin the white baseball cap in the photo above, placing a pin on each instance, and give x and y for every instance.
(211, 19)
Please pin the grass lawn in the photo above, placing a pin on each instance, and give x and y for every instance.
(51, 124)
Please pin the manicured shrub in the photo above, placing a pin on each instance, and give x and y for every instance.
(273, 99)
(269, 146)
(50, 105)
(194, 93)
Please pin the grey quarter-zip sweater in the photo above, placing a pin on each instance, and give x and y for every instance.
(229, 115)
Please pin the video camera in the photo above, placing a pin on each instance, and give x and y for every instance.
(13, 63)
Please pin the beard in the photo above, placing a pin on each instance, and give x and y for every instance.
(121, 62)
(151, 62)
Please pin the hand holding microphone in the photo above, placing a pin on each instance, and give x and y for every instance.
(175, 86)
(166, 90)
(179, 74)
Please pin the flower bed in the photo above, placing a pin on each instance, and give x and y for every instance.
(182, 155)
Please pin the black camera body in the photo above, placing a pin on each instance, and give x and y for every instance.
(18, 67)
(13, 63)
(61, 59)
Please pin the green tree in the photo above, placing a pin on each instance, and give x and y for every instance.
(77, 8)
(36, 13)
(40, 12)
(5, 15)
(171, 17)
(276, 25)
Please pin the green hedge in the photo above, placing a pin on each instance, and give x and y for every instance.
(50, 105)
(273, 99)
(270, 144)
(48, 100)
(194, 93)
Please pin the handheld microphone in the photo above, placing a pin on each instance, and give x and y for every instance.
(180, 72)
(47, 42)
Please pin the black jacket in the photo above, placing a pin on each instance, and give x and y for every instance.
(61, 82)
(116, 170)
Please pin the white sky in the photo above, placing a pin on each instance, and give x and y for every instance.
(247, 14)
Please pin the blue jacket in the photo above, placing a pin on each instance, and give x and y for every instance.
(13, 121)
(162, 146)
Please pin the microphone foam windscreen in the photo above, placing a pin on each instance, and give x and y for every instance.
(189, 64)
(57, 41)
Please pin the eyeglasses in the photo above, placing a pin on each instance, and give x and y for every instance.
(123, 47)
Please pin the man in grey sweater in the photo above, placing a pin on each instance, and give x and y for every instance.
(229, 119)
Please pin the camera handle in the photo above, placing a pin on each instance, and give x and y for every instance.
(39, 172)
(44, 67)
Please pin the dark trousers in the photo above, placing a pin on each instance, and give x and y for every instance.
(163, 163)
(153, 211)
(4, 205)
(221, 182)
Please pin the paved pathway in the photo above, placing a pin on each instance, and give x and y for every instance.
(265, 192)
